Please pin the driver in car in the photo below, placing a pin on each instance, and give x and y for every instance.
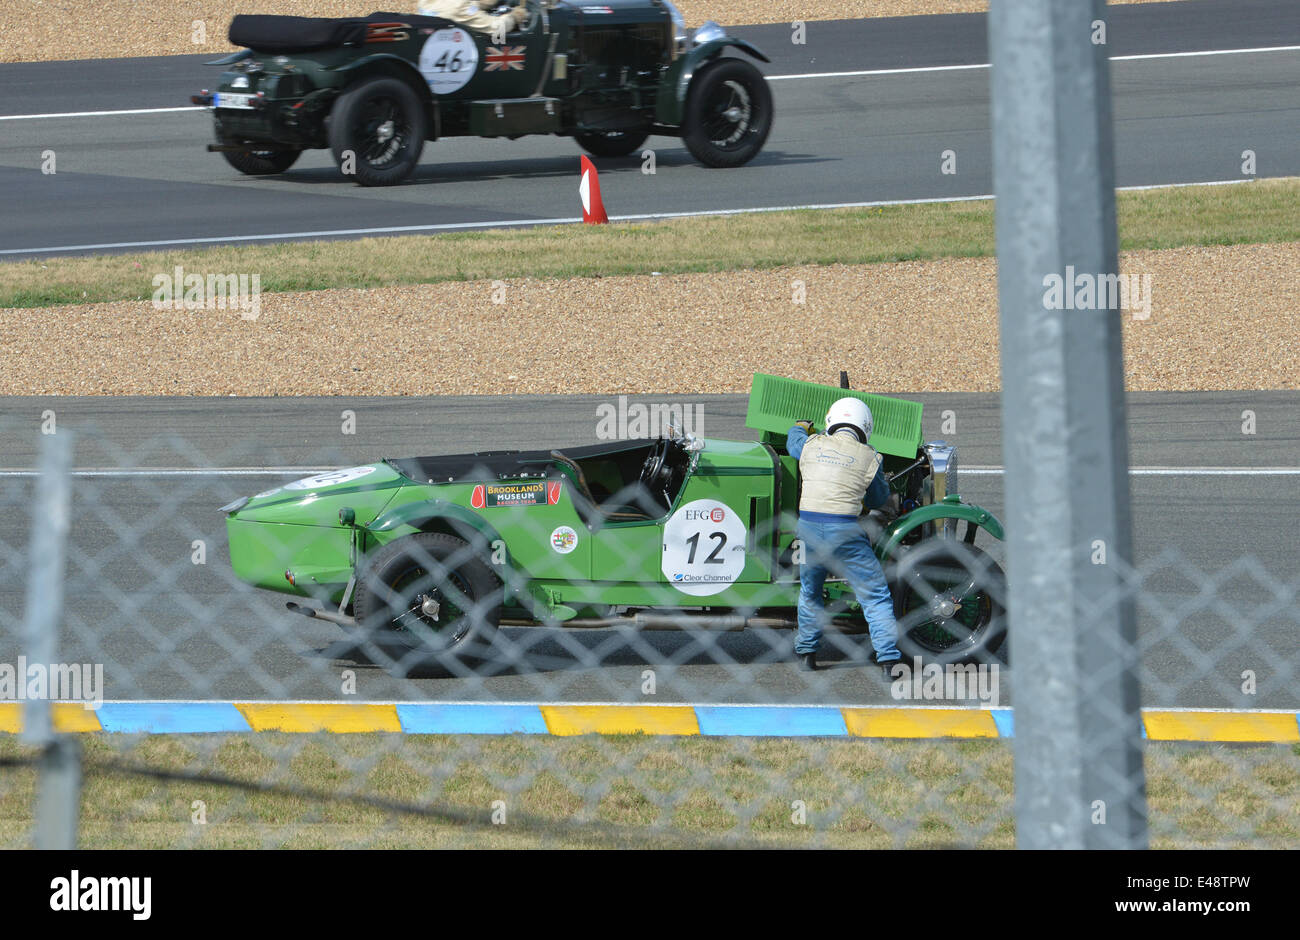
(467, 13)
(840, 473)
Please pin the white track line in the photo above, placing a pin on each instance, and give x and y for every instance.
(310, 471)
(185, 472)
(862, 73)
(528, 223)
(984, 65)
(81, 114)
(1166, 471)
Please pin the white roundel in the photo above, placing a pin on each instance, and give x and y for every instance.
(333, 478)
(448, 60)
(704, 548)
(564, 539)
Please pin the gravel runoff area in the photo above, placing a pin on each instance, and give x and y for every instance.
(1225, 317)
(44, 30)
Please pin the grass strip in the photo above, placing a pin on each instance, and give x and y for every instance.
(655, 791)
(1260, 212)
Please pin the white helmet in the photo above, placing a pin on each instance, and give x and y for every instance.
(850, 413)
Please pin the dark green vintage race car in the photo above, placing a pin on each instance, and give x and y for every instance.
(674, 533)
(374, 89)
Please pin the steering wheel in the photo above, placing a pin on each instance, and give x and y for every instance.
(657, 472)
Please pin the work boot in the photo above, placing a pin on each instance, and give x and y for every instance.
(886, 669)
(808, 662)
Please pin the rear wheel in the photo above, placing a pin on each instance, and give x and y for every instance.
(261, 162)
(433, 591)
(611, 143)
(376, 131)
(728, 113)
(949, 600)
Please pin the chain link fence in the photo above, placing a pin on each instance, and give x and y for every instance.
(211, 687)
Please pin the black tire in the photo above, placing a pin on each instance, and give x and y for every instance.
(261, 162)
(611, 143)
(713, 133)
(382, 123)
(398, 578)
(950, 603)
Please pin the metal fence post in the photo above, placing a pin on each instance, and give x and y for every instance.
(1078, 775)
(59, 781)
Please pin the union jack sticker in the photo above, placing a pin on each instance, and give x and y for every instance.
(505, 59)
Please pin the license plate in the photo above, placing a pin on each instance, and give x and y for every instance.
(225, 99)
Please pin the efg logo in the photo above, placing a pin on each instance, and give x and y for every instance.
(704, 515)
(717, 515)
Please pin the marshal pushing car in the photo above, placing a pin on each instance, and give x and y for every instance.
(674, 533)
(375, 89)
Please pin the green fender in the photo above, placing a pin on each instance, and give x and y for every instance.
(388, 64)
(950, 508)
(417, 516)
(670, 103)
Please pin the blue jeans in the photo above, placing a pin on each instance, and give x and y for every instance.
(844, 549)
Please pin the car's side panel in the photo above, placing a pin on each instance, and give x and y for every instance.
(261, 553)
(535, 538)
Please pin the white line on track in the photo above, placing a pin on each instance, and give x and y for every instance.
(528, 223)
(309, 471)
(862, 73)
(1168, 471)
(984, 65)
(81, 114)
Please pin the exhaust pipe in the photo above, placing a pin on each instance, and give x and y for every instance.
(316, 613)
(727, 623)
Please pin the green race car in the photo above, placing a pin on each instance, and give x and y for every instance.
(674, 533)
(375, 89)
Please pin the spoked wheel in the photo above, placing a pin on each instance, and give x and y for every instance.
(611, 143)
(432, 591)
(949, 600)
(728, 113)
(376, 130)
(261, 162)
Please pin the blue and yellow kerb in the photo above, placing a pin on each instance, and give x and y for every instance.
(567, 719)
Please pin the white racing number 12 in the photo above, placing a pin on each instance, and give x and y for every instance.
(448, 60)
(704, 548)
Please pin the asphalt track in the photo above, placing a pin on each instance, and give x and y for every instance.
(143, 180)
(1214, 529)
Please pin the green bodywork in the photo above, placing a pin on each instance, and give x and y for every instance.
(627, 70)
(291, 539)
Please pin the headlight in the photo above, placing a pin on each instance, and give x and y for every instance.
(707, 33)
(680, 37)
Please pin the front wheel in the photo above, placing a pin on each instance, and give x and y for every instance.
(950, 603)
(432, 591)
(261, 162)
(728, 113)
(376, 131)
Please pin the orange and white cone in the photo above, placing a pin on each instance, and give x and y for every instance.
(593, 210)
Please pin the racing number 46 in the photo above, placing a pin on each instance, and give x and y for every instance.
(713, 559)
(443, 65)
